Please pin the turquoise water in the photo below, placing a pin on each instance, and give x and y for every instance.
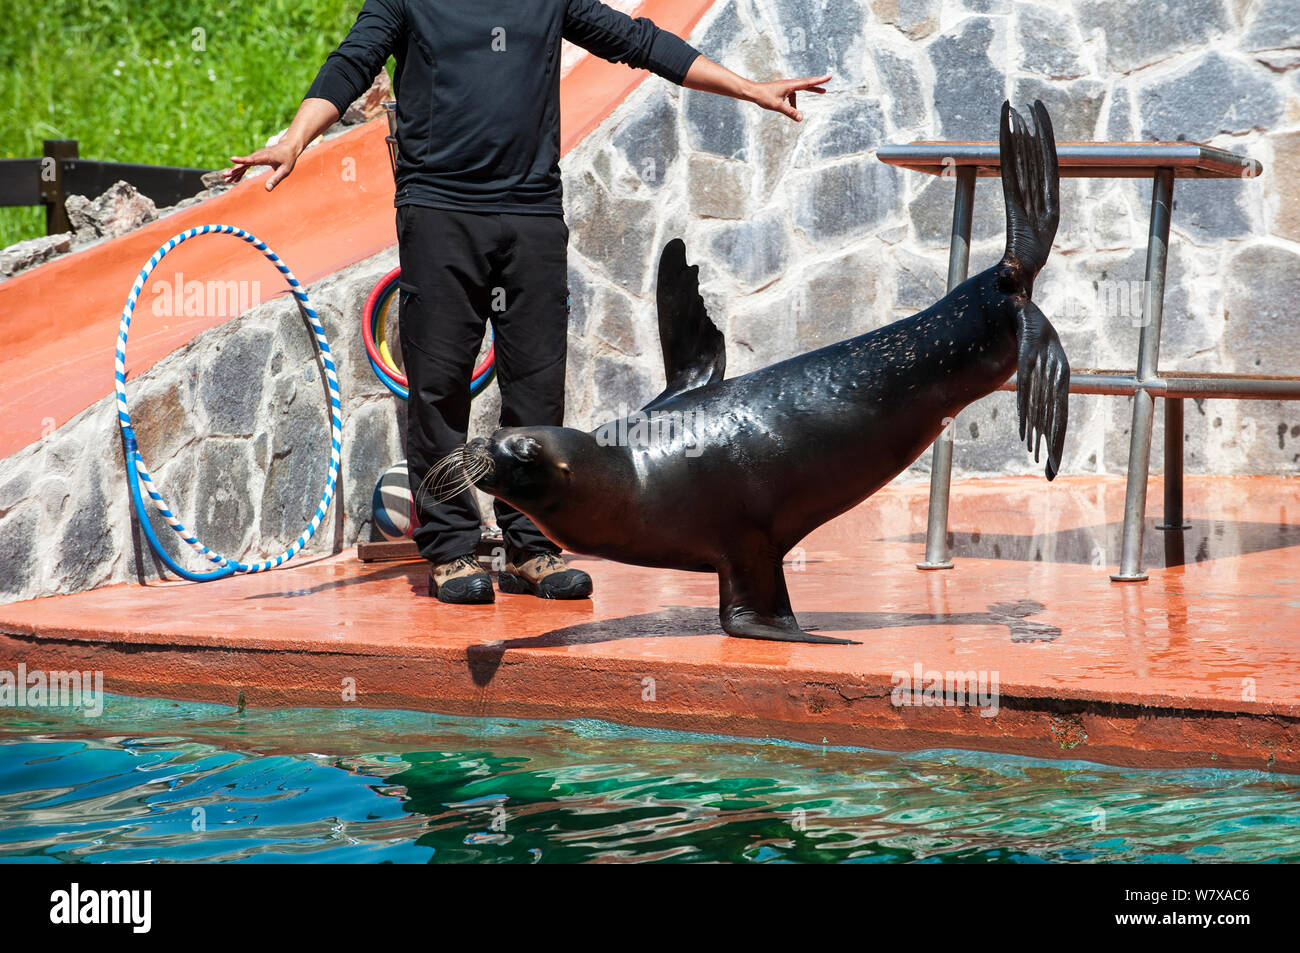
(159, 780)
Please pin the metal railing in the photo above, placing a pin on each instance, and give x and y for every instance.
(1162, 162)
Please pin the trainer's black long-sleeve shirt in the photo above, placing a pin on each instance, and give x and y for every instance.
(478, 90)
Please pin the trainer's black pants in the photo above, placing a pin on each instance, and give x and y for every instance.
(460, 270)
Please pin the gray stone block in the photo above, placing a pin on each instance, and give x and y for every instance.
(18, 547)
(1262, 290)
(1275, 25)
(613, 233)
(931, 211)
(718, 188)
(1049, 41)
(1213, 95)
(1074, 106)
(753, 252)
(648, 140)
(845, 199)
(299, 461)
(621, 386)
(848, 129)
(225, 512)
(838, 299)
(580, 296)
(903, 86)
(715, 124)
(86, 547)
(230, 388)
(1209, 211)
(821, 38)
(969, 87)
(1135, 37)
(917, 18)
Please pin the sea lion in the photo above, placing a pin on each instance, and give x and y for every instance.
(727, 476)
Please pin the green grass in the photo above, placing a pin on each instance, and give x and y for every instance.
(133, 81)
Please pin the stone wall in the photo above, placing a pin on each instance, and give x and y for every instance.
(803, 238)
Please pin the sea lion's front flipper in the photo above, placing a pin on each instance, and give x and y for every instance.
(695, 352)
(1042, 384)
(754, 603)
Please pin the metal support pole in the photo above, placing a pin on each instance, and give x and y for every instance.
(1173, 466)
(1139, 449)
(936, 529)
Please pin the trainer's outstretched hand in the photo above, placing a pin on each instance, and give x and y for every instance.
(779, 95)
(281, 157)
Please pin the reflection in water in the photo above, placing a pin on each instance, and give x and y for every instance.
(175, 781)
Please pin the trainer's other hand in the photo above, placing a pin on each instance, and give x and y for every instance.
(281, 157)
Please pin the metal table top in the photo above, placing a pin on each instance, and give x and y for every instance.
(1189, 160)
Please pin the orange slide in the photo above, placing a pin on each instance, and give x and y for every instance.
(59, 321)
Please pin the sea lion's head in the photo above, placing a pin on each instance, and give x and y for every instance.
(528, 467)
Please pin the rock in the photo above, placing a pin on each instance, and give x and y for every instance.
(754, 252)
(715, 124)
(1049, 40)
(1135, 38)
(917, 18)
(1119, 118)
(87, 546)
(296, 476)
(119, 210)
(1211, 96)
(224, 515)
(854, 127)
(370, 446)
(918, 283)
(163, 416)
(931, 210)
(230, 388)
(613, 232)
(648, 140)
(903, 89)
(370, 104)
(18, 547)
(821, 37)
(1275, 26)
(774, 141)
(845, 199)
(721, 36)
(618, 323)
(1285, 167)
(1209, 210)
(718, 188)
(968, 87)
(838, 301)
(1073, 106)
(1262, 289)
(33, 252)
(620, 388)
(580, 296)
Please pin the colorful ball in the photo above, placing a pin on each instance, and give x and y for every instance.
(392, 504)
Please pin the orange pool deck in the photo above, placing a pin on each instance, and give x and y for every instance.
(1199, 666)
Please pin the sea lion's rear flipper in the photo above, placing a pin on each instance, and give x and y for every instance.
(754, 604)
(1031, 188)
(1042, 384)
(695, 352)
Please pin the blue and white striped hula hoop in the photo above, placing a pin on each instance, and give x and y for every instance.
(138, 473)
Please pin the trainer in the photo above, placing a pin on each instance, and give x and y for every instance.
(480, 224)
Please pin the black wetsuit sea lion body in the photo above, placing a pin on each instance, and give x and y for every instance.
(728, 475)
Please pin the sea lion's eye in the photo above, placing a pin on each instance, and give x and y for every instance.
(525, 449)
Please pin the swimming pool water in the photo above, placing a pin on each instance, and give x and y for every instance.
(161, 780)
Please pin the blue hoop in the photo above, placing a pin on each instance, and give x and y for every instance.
(138, 473)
